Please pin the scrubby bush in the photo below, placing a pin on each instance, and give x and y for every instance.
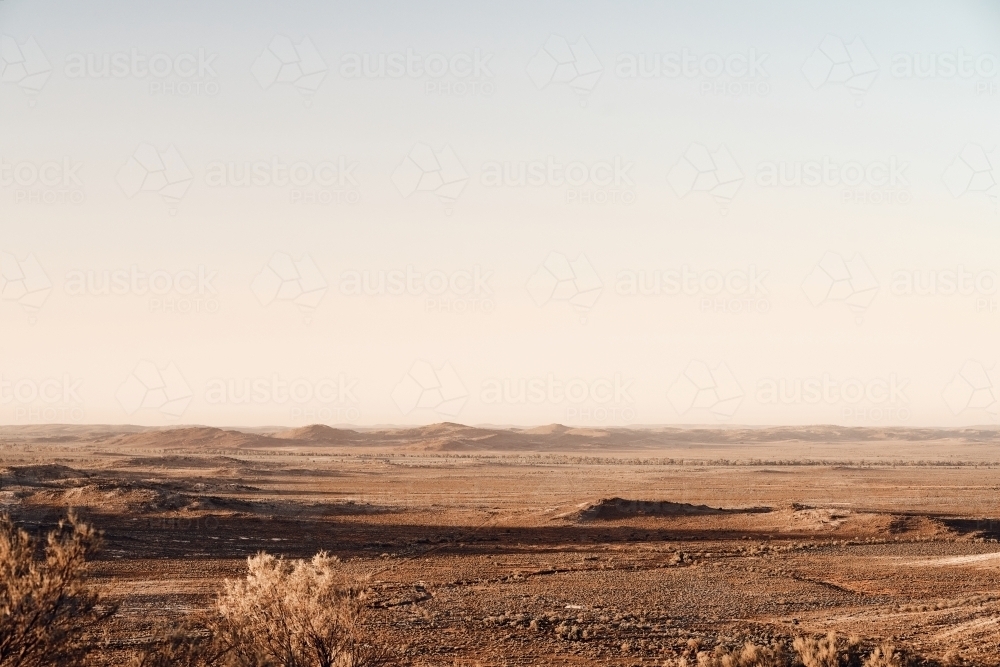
(48, 613)
(282, 614)
(297, 614)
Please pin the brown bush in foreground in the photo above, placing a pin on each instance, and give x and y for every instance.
(48, 615)
(282, 614)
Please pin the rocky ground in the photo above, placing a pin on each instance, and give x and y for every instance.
(524, 559)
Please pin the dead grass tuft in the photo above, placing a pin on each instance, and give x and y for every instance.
(828, 651)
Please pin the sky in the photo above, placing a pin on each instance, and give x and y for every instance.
(593, 213)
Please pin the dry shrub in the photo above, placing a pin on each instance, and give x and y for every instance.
(48, 614)
(298, 614)
(282, 614)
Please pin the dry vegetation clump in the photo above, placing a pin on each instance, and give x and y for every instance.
(828, 651)
(282, 614)
(884, 656)
(48, 614)
(750, 655)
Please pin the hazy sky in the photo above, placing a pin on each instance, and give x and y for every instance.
(591, 213)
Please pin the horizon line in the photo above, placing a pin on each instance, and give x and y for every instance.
(519, 427)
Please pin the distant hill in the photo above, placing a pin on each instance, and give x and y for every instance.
(321, 433)
(701, 442)
(194, 437)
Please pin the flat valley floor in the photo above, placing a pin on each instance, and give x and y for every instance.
(616, 555)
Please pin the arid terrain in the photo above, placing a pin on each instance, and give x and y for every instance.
(548, 546)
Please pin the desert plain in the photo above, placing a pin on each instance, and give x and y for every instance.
(550, 545)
